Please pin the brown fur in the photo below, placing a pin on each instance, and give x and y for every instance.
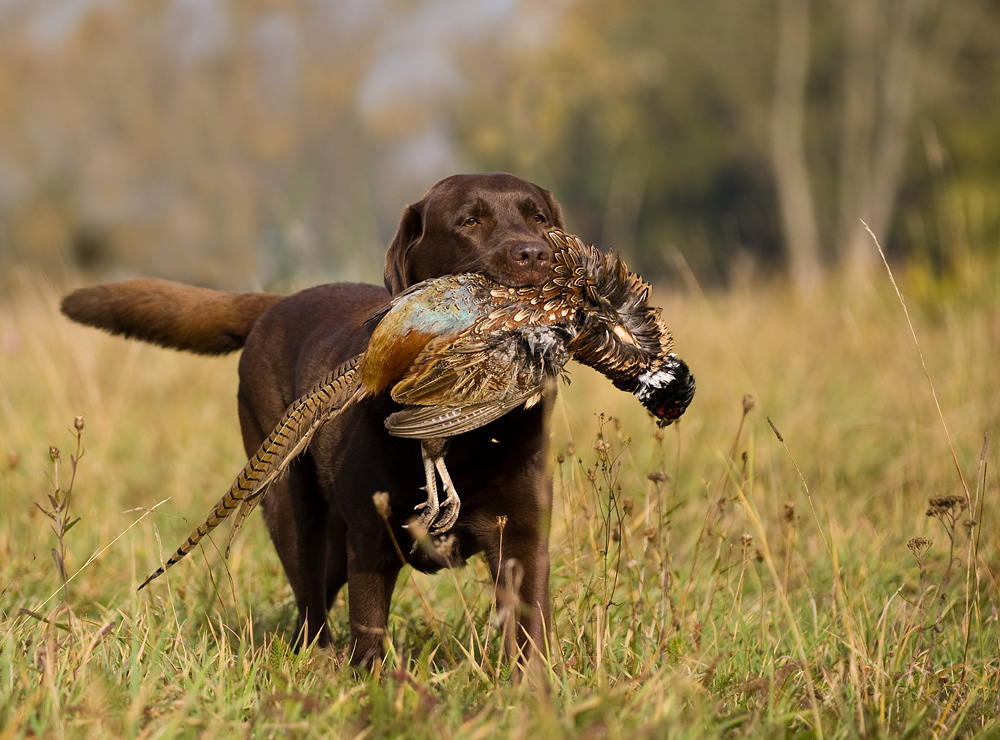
(208, 322)
(320, 515)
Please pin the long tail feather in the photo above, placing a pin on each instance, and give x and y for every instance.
(288, 440)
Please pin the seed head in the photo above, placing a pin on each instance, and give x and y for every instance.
(417, 529)
(775, 430)
(446, 547)
(947, 505)
(381, 501)
(602, 446)
(918, 545)
(789, 511)
(78, 423)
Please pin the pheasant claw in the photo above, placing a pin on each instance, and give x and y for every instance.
(431, 506)
(452, 503)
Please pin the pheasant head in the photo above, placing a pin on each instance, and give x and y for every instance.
(619, 333)
(666, 388)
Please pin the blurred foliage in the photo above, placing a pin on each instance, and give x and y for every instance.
(235, 144)
(645, 116)
(652, 120)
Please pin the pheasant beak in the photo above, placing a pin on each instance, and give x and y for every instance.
(625, 335)
(667, 415)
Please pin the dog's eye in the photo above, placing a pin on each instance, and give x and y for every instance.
(540, 218)
(471, 221)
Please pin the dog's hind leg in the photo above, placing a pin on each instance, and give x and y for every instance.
(297, 517)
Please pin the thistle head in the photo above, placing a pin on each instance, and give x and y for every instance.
(666, 388)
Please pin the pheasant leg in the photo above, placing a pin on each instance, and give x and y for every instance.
(430, 519)
(452, 502)
(431, 506)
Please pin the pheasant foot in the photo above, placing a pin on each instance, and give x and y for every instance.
(437, 517)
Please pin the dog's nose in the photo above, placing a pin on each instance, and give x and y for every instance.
(531, 254)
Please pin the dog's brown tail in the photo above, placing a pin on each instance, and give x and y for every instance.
(208, 322)
(288, 440)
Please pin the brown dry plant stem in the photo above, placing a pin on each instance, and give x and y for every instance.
(972, 505)
(948, 510)
(923, 364)
(614, 522)
(613, 519)
(854, 640)
(765, 555)
(59, 500)
(715, 505)
(919, 547)
(972, 572)
(788, 532)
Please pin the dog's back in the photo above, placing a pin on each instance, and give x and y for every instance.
(185, 317)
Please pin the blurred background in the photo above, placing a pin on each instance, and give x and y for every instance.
(274, 143)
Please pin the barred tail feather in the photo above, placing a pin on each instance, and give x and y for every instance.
(288, 440)
(222, 510)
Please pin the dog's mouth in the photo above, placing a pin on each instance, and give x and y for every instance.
(522, 279)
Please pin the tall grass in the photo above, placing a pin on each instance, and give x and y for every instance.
(798, 557)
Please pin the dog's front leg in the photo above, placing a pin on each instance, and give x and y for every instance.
(519, 562)
(369, 590)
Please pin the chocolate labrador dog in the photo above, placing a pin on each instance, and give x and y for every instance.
(321, 515)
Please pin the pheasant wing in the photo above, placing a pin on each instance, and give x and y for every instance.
(458, 385)
(428, 422)
(463, 371)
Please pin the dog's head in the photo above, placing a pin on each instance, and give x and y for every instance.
(493, 224)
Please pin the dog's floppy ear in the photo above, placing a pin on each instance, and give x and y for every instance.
(554, 208)
(411, 227)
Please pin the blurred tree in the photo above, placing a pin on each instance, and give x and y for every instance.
(767, 128)
(788, 150)
(231, 142)
(262, 140)
(648, 119)
(885, 44)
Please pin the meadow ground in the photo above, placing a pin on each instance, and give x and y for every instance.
(717, 580)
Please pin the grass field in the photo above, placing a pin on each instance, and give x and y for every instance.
(712, 581)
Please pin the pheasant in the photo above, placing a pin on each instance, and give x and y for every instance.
(461, 351)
